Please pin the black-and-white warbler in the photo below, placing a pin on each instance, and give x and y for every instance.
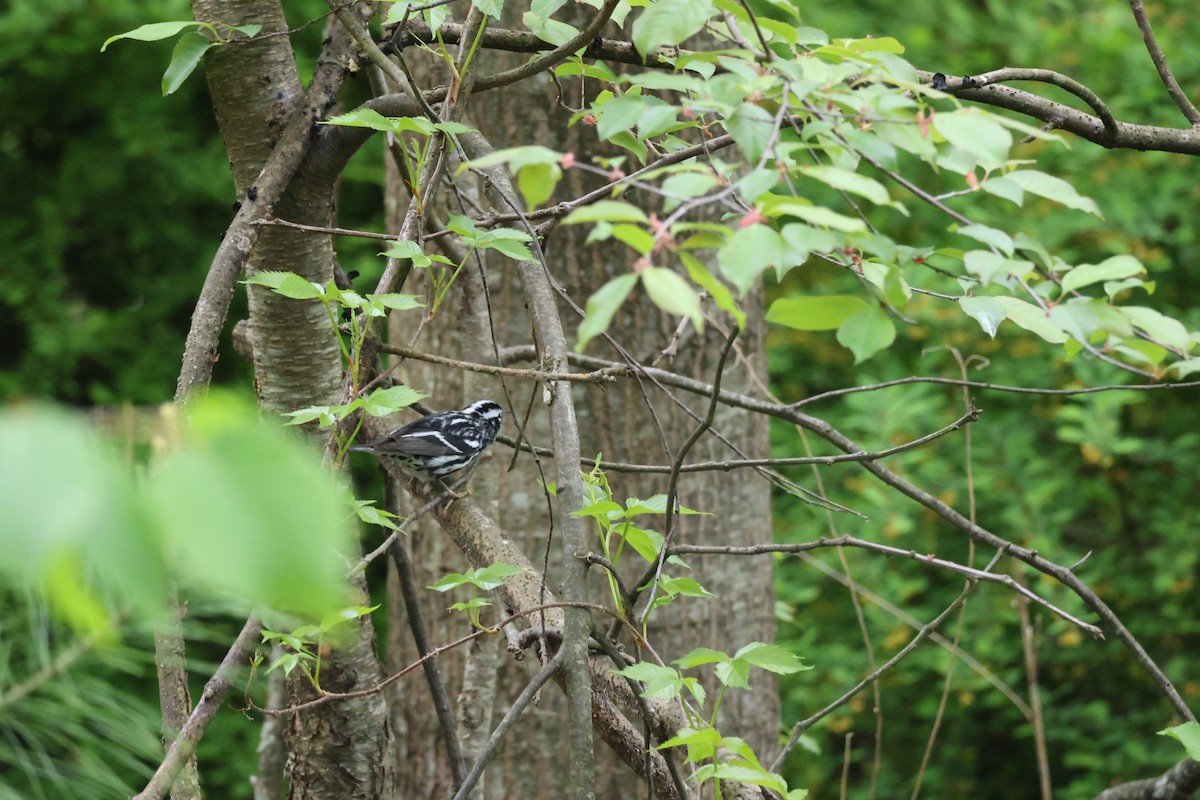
(439, 444)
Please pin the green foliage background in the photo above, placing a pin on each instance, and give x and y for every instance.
(116, 199)
(1110, 474)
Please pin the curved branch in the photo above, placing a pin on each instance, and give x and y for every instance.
(1127, 136)
(887, 550)
(800, 727)
(1160, 63)
(1049, 76)
(1180, 782)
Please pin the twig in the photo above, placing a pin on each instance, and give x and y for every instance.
(654, 572)
(800, 727)
(420, 634)
(1160, 63)
(524, 699)
(851, 541)
(1038, 721)
(213, 696)
(602, 375)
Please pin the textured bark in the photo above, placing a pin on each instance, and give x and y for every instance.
(336, 749)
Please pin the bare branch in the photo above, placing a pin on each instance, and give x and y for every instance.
(800, 727)
(1160, 63)
(875, 547)
(1180, 782)
(1128, 136)
(215, 690)
(1049, 76)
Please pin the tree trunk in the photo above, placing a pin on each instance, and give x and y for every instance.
(335, 749)
(614, 421)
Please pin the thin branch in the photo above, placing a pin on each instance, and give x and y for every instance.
(602, 375)
(215, 690)
(709, 466)
(1160, 63)
(524, 699)
(800, 727)
(922, 558)
(950, 646)
(420, 634)
(619, 51)
(654, 573)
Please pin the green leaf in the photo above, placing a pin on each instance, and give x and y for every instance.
(989, 236)
(1052, 188)
(778, 206)
(1159, 327)
(699, 657)
(771, 657)
(661, 682)
(155, 31)
(751, 127)
(516, 157)
(288, 284)
(451, 581)
(646, 543)
(813, 313)
(279, 511)
(734, 673)
(748, 253)
(619, 114)
(601, 307)
(976, 132)
(493, 575)
(490, 7)
(549, 30)
(400, 302)
(471, 605)
(382, 402)
(669, 22)
(848, 181)
(507, 241)
(184, 59)
(1032, 319)
(366, 511)
(327, 415)
(607, 211)
(866, 333)
(990, 267)
(717, 290)
(984, 310)
(1188, 734)
(635, 236)
(408, 249)
(1111, 269)
(537, 182)
(670, 292)
(363, 118)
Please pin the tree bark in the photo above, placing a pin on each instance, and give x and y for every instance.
(615, 421)
(335, 749)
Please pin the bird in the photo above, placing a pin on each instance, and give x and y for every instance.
(440, 444)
